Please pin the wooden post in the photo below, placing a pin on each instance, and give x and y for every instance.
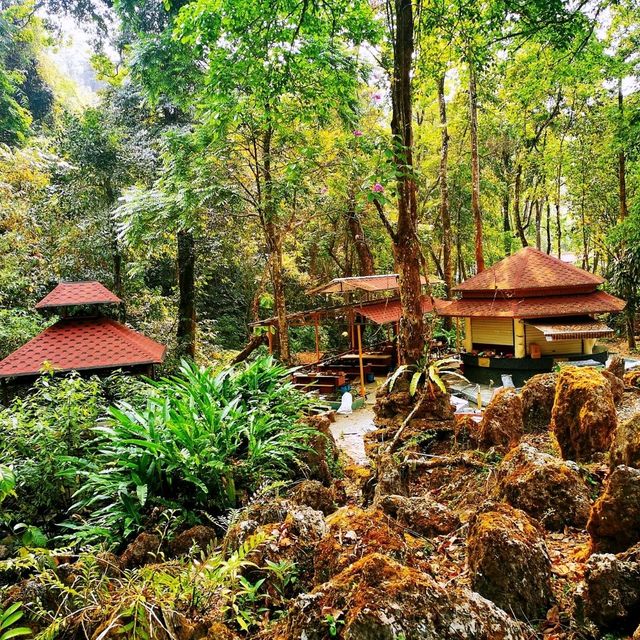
(270, 338)
(520, 342)
(362, 389)
(468, 336)
(317, 339)
(589, 344)
(457, 334)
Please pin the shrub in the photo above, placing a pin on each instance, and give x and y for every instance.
(202, 441)
(42, 435)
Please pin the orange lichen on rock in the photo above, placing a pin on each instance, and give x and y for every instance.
(632, 378)
(548, 489)
(502, 422)
(509, 562)
(584, 415)
(377, 597)
(354, 533)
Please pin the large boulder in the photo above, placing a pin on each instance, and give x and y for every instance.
(198, 537)
(617, 386)
(502, 424)
(548, 489)
(289, 531)
(616, 366)
(421, 515)
(610, 594)
(353, 533)
(376, 598)
(537, 396)
(314, 494)
(322, 456)
(143, 550)
(632, 378)
(584, 414)
(509, 562)
(625, 444)
(614, 524)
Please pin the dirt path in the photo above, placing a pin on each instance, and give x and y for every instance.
(349, 432)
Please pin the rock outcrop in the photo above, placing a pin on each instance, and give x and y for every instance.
(625, 444)
(537, 396)
(421, 515)
(509, 562)
(142, 550)
(377, 598)
(548, 489)
(610, 594)
(323, 452)
(314, 494)
(632, 378)
(584, 415)
(617, 386)
(353, 533)
(616, 366)
(198, 537)
(614, 524)
(502, 424)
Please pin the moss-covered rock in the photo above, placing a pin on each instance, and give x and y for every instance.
(632, 378)
(584, 415)
(502, 423)
(625, 444)
(548, 489)
(537, 396)
(421, 515)
(617, 386)
(314, 494)
(377, 598)
(509, 562)
(614, 524)
(616, 366)
(353, 533)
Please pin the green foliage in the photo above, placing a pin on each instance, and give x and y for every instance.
(43, 433)
(18, 327)
(8, 619)
(152, 600)
(201, 442)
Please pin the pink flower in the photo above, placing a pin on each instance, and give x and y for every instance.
(376, 97)
(357, 133)
(377, 187)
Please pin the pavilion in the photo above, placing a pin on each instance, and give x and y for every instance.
(528, 312)
(91, 342)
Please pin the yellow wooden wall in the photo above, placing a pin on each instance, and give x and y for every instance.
(497, 331)
(551, 348)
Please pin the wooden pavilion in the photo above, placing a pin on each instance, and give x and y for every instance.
(378, 304)
(91, 342)
(528, 312)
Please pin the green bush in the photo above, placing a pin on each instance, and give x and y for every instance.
(202, 442)
(42, 435)
(18, 327)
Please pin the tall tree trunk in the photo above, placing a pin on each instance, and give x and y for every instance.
(365, 257)
(274, 247)
(116, 249)
(516, 206)
(475, 168)
(407, 252)
(186, 332)
(445, 215)
(538, 206)
(548, 207)
(622, 178)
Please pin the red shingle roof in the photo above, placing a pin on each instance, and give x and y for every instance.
(530, 272)
(68, 294)
(83, 344)
(539, 307)
(387, 311)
